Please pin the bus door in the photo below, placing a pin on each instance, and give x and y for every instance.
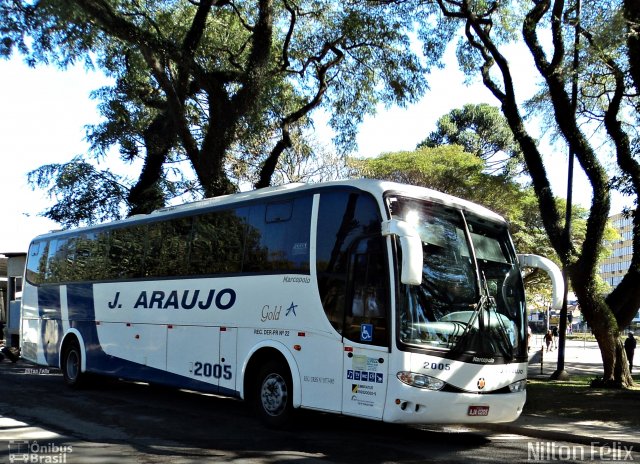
(365, 336)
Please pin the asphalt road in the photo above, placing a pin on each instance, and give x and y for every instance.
(122, 422)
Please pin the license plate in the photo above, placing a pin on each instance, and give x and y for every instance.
(478, 411)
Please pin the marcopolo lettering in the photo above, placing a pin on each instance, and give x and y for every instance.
(185, 299)
(483, 360)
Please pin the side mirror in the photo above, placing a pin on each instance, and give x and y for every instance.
(553, 271)
(411, 272)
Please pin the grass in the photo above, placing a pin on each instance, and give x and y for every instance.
(581, 336)
(575, 399)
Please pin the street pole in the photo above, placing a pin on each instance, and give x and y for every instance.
(560, 373)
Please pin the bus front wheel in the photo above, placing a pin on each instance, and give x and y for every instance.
(274, 395)
(71, 365)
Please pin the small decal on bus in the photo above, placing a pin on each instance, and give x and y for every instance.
(364, 376)
(272, 332)
(319, 379)
(366, 332)
(296, 280)
(272, 313)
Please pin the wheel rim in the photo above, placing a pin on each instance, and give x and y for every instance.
(274, 394)
(72, 365)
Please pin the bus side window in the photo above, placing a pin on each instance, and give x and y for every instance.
(167, 248)
(370, 297)
(60, 260)
(126, 249)
(278, 237)
(343, 217)
(37, 262)
(217, 242)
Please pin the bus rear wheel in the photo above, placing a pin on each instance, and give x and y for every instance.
(71, 365)
(274, 395)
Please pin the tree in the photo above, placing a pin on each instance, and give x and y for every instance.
(297, 164)
(211, 81)
(83, 202)
(606, 72)
(438, 168)
(482, 130)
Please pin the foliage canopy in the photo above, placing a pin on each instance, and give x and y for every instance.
(227, 86)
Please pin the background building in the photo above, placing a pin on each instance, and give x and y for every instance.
(11, 272)
(614, 267)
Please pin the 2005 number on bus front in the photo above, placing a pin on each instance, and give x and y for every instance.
(216, 371)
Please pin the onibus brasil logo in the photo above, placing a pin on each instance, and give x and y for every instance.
(40, 453)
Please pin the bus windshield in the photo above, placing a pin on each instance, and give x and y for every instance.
(471, 299)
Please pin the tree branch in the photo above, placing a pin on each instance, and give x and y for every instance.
(549, 212)
(271, 162)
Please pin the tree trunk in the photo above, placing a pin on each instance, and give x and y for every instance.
(209, 162)
(270, 164)
(622, 365)
(607, 344)
(615, 362)
(605, 328)
(147, 195)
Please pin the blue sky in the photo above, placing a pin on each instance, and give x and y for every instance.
(43, 112)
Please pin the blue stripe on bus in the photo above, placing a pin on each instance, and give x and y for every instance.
(51, 324)
(80, 302)
(49, 302)
(51, 333)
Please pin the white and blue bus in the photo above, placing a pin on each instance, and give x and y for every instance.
(366, 298)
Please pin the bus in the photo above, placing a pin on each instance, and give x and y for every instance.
(363, 297)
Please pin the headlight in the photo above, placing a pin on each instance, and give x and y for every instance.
(519, 386)
(420, 381)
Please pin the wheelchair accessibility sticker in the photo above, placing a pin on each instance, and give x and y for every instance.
(366, 332)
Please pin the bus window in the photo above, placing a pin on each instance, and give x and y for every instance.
(167, 252)
(60, 260)
(370, 298)
(175, 245)
(126, 249)
(91, 256)
(37, 262)
(217, 242)
(278, 237)
(343, 217)
(278, 211)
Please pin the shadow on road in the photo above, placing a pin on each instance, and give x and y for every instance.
(160, 421)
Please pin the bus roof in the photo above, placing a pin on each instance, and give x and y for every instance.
(377, 187)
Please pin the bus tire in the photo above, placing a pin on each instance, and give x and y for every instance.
(274, 394)
(71, 364)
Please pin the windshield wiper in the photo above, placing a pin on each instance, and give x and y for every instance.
(486, 306)
(478, 309)
(506, 347)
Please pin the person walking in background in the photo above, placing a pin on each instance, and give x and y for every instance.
(629, 348)
(554, 332)
(548, 338)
